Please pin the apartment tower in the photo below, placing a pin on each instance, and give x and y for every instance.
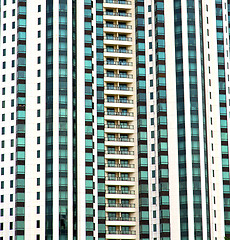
(114, 119)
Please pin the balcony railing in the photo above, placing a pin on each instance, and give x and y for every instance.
(118, 2)
(119, 126)
(119, 101)
(129, 114)
(130, 192)
(120, 14)
(131, 179)
(118, 75)
(132, 219)
(118, 88)
(118, 63)
(121, 232)
(118, 38)
(119, 165)
(119, 152)
(119, 139)
(118, 50)
(120, 205)
(123, 26)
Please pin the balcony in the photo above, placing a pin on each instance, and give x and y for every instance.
(120, 139)
(130, 179)
(123, 142)
(130, 192)
(120, 234)
(118, 2)
(131, 219)
(122, 53)
(112, 128)
(122, 116)
(120, 205)
(117, 14)
(119, 165)
(118, 65)
(122, 221)
(119, 152)
(120, 168)
(119, 101)
(118, 88)
(121, 4)
(117, 28)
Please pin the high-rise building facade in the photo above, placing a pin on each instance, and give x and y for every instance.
(114, 119)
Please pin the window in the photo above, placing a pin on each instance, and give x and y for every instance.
(39, 47)
(2, 184)
(38, 154)
(150, 45)
(13, 12)
(38, 181)
(11, 225)
(38, 209)
(39, 113)
(38, 167)
(39, 8)
(4, 2)
(4, 65)
(11, 156)
(12, 116)
(38, 140)
(13, 25)
(38, 99)
(11, 183)
(11, 197)
(39, 86)
(13, 50)
(2, 157)
(12, 129)
(4, 14)
(2, 212)
(150, 20)
(11, 170)
(12, 102)
(13, 63)
(4, 52)
(38, 223)
(13, 37)
(11, 211)
(38, 195)
(4, 78)
(150, 33)
(39, 34)
(3, 130)
(39, 60)
(3, 91)
(12, 89)
(12, 76)
(149, 8)
(39, 21)
(39, 73)
(4, 39)
(2, 171)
